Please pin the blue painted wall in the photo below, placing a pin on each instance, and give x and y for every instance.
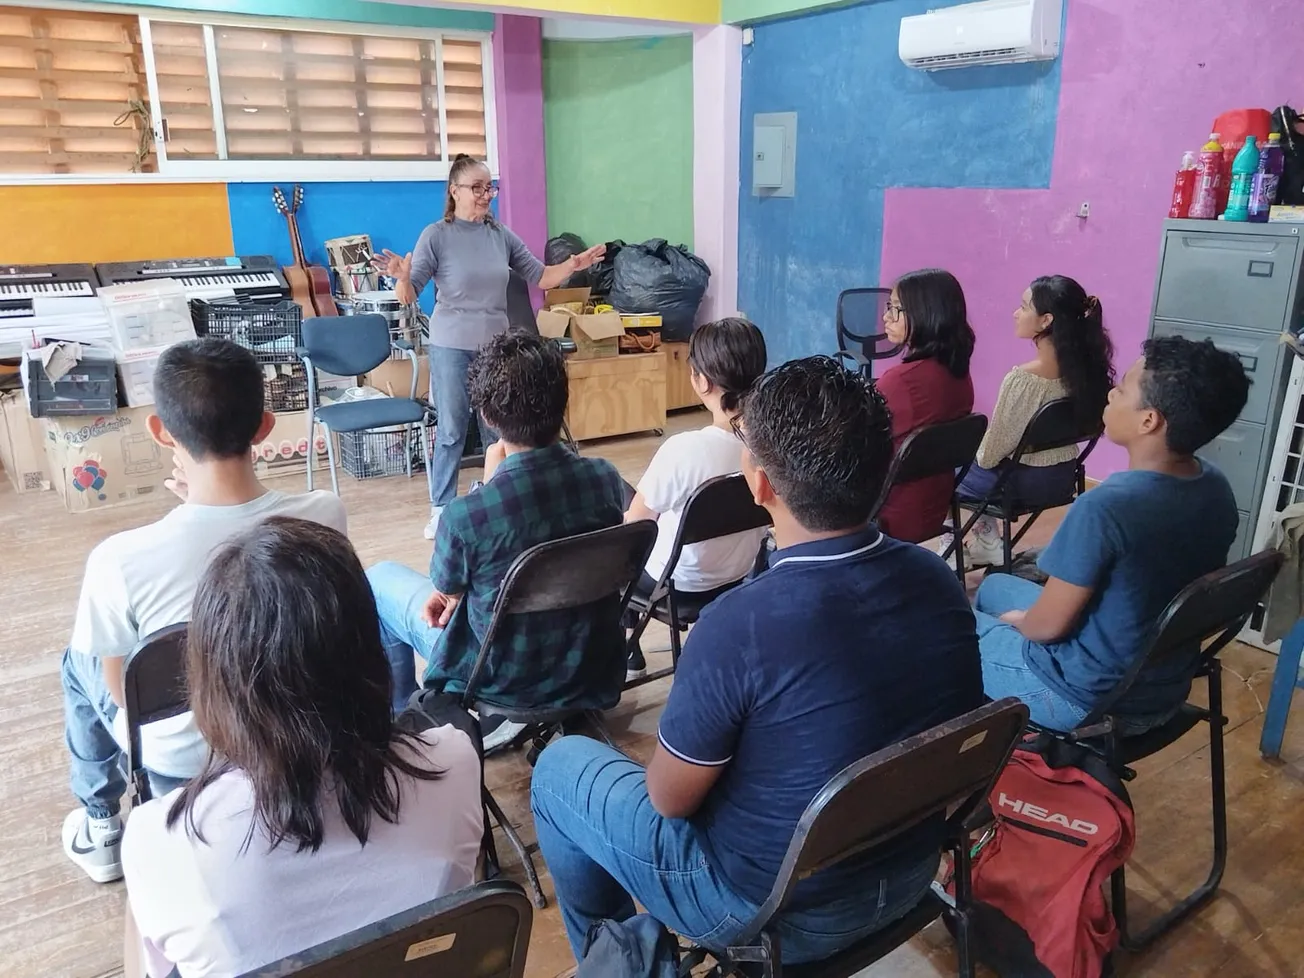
(866, 122)
(393, 213)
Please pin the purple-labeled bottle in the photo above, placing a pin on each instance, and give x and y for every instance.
(1267, 179)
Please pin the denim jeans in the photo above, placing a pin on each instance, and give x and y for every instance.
(606, 847)
(1005, 670)
(401, 594)
(98, 762)
(448, 368)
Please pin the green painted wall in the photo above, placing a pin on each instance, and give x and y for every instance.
(349, 11)
(618, 126)
(752, 11)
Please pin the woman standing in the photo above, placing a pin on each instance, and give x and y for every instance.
(1074, 360)
(927, 314)
(470, 256)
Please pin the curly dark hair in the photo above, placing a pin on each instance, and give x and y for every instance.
(823, 434)
(518, 384)
(1082, 347)
(1199, 389)
(938, 319)
(290, 685)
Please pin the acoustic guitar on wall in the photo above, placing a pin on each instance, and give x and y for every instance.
(310, 285)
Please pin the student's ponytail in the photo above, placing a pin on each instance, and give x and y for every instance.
(1082, 347)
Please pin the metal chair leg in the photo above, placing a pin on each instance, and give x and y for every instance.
(522, 850)
(1218, 793)
(963, 901)
(330, 457)
(957, 542)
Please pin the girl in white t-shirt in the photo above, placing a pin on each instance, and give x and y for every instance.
(725, 358)
(313, 815)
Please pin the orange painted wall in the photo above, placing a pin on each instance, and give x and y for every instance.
(113, 222)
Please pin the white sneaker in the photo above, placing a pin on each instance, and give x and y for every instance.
(97, 848)
(429, 531)
(500, 733)
(984, 551)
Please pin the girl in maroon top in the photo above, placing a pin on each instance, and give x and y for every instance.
(926, 312)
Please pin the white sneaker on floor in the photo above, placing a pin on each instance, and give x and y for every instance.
(96, 849)
(429, 531)
(984, 551)
(499, 733)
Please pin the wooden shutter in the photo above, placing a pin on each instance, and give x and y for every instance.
(318, 96)
(464, 98)
(186, 105)
(68, 81)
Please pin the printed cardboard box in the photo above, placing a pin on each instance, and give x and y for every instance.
(564, 313)
(22, 445)
(394, 377)
(286, 446)
(106, 460)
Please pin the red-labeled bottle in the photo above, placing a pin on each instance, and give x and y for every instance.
(1208, 180)
(1184, 188)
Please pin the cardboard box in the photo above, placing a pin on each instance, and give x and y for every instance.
(595, 334)
(394, 377)
(136, 374)
(22, 445)
(109, 460)
(286, 447)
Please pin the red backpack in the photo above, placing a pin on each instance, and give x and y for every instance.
(1063, 825)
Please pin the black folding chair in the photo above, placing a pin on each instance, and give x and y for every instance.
(860, 317)
(1055, 425)
(349, 346)
(1216, 607)
(948, 447)
(947, 771)
(155, 688)
(718, 507)
(483, 930)
(596, 570)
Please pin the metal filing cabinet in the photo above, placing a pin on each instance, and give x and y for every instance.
(1240, 286)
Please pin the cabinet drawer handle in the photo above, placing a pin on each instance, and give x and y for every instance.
(1261, 269)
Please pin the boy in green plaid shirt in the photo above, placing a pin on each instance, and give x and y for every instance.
(535, 490)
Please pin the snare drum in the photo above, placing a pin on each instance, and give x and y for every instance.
(405, 322)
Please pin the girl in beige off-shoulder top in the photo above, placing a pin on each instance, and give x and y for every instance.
(1073, 361)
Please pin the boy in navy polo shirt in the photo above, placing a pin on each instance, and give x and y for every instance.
(849, 643)
(1124, 550)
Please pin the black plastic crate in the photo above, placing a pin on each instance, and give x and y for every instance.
(384, 452)
(90, 387)
(270, 328)
(285, 388)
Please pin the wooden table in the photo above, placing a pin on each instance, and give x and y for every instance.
(617, 395)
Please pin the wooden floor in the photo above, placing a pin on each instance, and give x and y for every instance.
(55, 922)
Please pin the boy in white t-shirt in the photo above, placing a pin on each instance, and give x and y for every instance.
(208, 396)
(725, 358)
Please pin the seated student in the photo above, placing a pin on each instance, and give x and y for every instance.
(535, 490)
(926, 312)
(849, 642)
(1124, 550)
(724, 360)
(313, 815)
(1073, 360)
(208, 402)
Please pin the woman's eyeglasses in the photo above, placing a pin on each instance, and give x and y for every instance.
(482, 189)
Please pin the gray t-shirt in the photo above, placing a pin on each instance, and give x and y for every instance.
(470, 262)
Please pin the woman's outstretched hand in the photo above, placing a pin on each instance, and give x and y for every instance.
(587, 259)
(394, 265)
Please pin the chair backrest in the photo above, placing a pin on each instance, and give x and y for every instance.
(717, 508)
(1215, 606)
(483, 930)
(949, 770)
(860, 322)
(347, 345)
(949, 447)
(570, 573)
(154, 684)
(1055, 425)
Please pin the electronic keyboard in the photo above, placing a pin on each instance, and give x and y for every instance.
(250, 277)
(40, 302)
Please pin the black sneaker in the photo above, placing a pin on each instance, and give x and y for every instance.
(637, 666)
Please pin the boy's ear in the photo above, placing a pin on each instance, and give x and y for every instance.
(154, 425)
(264, 429)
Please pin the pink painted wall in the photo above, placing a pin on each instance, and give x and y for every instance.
(1142, 82)
(518, 97)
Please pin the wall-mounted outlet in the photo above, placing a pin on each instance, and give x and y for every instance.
(1084, 211)
(749, 36)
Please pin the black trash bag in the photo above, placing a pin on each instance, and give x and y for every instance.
(1291, 126)
(562, 247)
(602, 276)
(657, 277)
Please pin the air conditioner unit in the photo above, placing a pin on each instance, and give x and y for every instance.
(993, 32)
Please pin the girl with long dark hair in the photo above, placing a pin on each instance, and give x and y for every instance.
(313, 815)
(927, 314)
(1074, 360)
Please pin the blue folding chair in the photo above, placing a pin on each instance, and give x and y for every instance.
(352, 345)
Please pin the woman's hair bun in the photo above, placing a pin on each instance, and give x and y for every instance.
(461, 156)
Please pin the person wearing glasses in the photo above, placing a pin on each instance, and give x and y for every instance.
(926, 314)
(470, 257)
